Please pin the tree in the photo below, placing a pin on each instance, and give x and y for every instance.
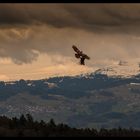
(22, 120)
(52, 123)
(29, 118)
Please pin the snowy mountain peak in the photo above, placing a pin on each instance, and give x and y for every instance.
(123, 69)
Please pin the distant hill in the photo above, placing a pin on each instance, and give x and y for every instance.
(91, 100)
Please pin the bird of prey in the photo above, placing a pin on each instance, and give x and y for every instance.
(80, 55)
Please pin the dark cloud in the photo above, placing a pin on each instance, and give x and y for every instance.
(85, 16)
(27, 30)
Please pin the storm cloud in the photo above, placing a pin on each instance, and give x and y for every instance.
(85, 16)
(102, 30)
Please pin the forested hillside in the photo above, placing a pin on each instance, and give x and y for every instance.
(26, 126)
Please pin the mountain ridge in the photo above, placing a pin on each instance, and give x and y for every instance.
(90, 100)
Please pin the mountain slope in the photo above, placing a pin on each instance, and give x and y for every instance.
(91, 100)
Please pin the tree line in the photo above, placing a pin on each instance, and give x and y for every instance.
(26, 126)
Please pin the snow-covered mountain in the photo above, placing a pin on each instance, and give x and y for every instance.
(121, 69)
(108, 97)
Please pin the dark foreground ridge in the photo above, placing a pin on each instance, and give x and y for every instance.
(25, 126)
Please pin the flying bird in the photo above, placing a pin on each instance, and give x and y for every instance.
(80, 55)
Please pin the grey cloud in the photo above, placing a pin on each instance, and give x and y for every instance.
(85, 16)
(53, 28)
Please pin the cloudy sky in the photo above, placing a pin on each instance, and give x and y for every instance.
(36, 39)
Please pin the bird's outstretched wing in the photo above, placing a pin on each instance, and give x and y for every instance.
(85, 56)
(76, 49)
